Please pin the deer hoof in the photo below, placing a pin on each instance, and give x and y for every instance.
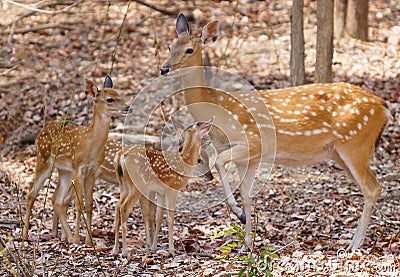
(242, 218)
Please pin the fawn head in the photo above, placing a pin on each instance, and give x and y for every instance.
(193, 140)
(186, 51)
(107, 98)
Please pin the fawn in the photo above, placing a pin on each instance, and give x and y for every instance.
(143, 171)
(77, 152)
(107, 173)
(311, 123)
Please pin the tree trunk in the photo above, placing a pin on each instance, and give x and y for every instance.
(340, 18)
(357, 19)
(323, 67)
(297, 69)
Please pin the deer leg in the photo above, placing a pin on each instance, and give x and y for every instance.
(123, 194)
(159, 218)
(88, 187)
(170, 204)
(126, 208)
(356, 165)
(62, 197)
(42, 173)
(236, 153)
(247, 173)
(54, 220)
(67, 201)
(372, 191)
(148, 211)
(153, 209)
(78, 205)
(117, 221)
(64, 182)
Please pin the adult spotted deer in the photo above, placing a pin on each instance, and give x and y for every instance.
(311, 123)
(77, 152)
(144, 172)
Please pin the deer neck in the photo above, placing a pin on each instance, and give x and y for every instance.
(98, 130)
(190, 152)
(195, 85)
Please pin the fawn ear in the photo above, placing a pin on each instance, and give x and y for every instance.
(108, 83)
(205, 128)
(210, 33)
(182, 25)
(91, 88)
(179, 131)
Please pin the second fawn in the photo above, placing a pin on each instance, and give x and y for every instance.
(311, 123)
(77, 152)
(107, 173)
(143, 171)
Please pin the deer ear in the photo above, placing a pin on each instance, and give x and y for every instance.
(108, 83)
(91, 89)
(182, 26)
(210, 32)
(180, 128)
(205, 128)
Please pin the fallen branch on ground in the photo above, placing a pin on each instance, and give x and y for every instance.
(42, 27)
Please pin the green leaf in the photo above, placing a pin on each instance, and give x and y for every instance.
(243, 258)
(242, 271)
(229, 232)
(254, 272)
(217, 235)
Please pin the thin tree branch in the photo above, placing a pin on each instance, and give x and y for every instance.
(151, 6)
(31, 8)
(40, 6)
(42, 27)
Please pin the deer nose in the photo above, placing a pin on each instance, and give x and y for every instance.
(164, 70)
(127, 110)
(208, 176)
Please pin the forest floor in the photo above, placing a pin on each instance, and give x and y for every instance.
(307, 214)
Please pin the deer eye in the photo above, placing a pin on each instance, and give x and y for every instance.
(169, 49)
(110, 100)
(189, 51)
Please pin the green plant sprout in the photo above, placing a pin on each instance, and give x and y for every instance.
(254, 264)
